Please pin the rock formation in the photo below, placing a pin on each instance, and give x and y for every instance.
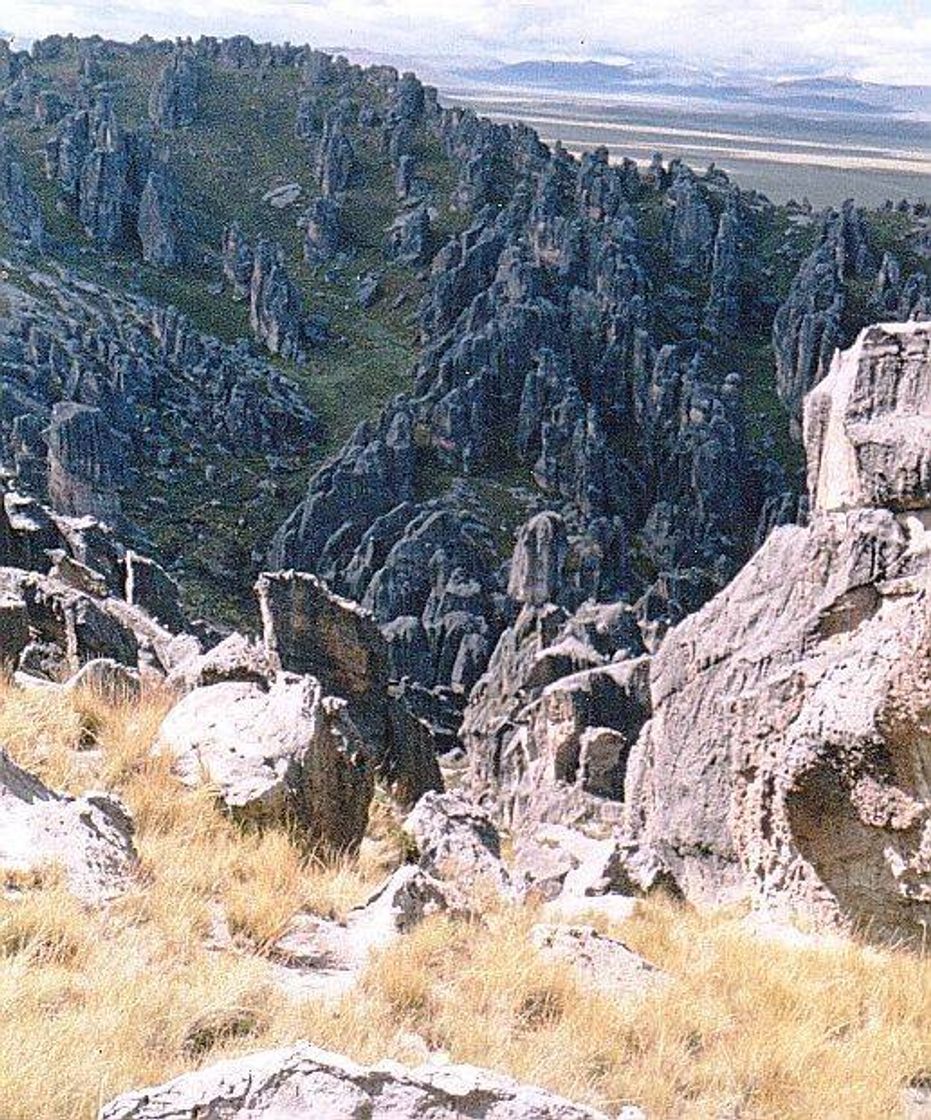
(84, 462)
(308, 629)
(784, 758)
(173, 100)
(285, 752)
(160, 224)
(276, 310)
(303, 1078)
(89, 838)
(20, 212)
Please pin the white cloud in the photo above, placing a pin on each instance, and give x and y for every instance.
(888, 40)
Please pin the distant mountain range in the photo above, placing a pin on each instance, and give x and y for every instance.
(669, 78)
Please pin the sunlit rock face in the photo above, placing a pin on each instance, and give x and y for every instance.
(868, 423)
(788, 755)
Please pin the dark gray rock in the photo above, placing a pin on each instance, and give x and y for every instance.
(20, 210)
(276, 309)
(84, 462)
(322, 238)
(173, 100)
(160, 223)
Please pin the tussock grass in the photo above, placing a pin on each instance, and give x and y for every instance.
(96, 1002)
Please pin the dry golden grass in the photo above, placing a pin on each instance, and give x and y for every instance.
(95, 1002)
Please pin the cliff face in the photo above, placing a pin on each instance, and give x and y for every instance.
(787, 755)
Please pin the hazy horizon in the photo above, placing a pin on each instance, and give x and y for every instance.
(886, 41)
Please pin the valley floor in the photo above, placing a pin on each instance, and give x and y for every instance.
(96, 1002)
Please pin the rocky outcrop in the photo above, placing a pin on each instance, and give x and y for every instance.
(101, 169)
(458, 844)
(600, 961)
(303, 1078)
(64, 603)
(173, 100)
(276, 309)
(150, 587)
(88, 838)
(868, 424)
(548, 727)
(536, 575)
(336, 160)
(808, 327)
(690, 225)
(84, 462)
(160, 223)
(308, 629)
(784, 759)
(323, 238)
(723, 309)
(409, 237)
(286, 753)
(237, 260)
(20, 210)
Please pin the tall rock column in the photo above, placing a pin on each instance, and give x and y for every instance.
(83, 462)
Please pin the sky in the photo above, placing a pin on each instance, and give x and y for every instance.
(873, 40)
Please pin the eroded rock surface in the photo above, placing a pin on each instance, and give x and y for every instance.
(288, 753)
(88, 838)
(300, 1079)
(786, 756)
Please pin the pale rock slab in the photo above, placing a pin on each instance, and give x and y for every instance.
(302, 1081)
(287, 753)
(89, 838)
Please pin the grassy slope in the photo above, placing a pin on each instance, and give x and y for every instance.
(242, 143)
(749, 1026)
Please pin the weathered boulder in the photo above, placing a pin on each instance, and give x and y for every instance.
(308, 629)
(150, 587)
(458, 843)
(236, 658)
(555, 861)
(304, 1080)
(602, 962)
(108, 679)
(89, 838)
(287, 753)
(323, 957)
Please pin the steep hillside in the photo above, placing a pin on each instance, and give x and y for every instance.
(627, 346)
